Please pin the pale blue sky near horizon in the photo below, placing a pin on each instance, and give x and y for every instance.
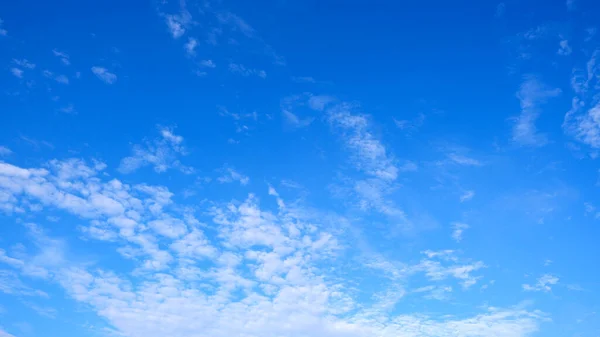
(299, 168)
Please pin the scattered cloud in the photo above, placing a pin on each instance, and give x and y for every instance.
(18, 73)
(243, 121)
(208, 63)
(68, 109)
(458, 229)
(3, 32)
(23, 63)
(544, 283)
(468, 195)
(64, 57)
(500, 10)
(62, 79)
(294, 120)
(532, 94)
(582, 121)
(4, 151)
(190, 47)
(2, 332)
(303, 79)
(463, 160)
(240, 69)
(230, 175)
(104, 75)
(564, 48)
(178, 23)
(161, 153)
(412, 125)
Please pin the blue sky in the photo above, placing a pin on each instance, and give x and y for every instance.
(299, 168)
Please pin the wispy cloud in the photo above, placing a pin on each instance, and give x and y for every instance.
(458, 229)
(64, 57)
(564, 49)
(532, 94)
(544, 283)
(230, 175)
(207, 64)
(4, 151)
(18, 73)
(104, 75)
(190, 46)
(178, 23)
(24, 63)
(240, 69)
(3, 32)
(161, 153)
(468, 195)
(463, 160)
(582, 121)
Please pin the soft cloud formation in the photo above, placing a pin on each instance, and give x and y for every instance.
(3, 32)
(468, 195)
(24, 63)
(263, 273)
(161, 153)
(240, 69)
(18, 73)
(190, 46)
(532, 94)
(564, 48)
(544, 283)
(208, 63)
(458, 229)
(4, 151)
(64, 57)
(583, 120)
(230, 175)
(104, 75)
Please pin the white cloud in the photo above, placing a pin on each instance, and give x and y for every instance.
(303, 79)
(319, 102)
(64, 57)
(2, 332)
(463, 160)
(242, 70)
(564, 48)
(4, 151)
(230, 175)
(410, 125)
(435, 270)
(544, 283)
(263, 273)
(3, 32)
(208, 63)
(294, 120)
(161, 153)
(583, 120)
(16, 72)
(532, 94)
(190, 46)
(468, 195)
(62, 79)
(68, 109)
(23, 63)
(104, 75)
(500, 9)
(458, 230)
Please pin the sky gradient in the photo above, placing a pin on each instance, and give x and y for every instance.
(299, 168)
